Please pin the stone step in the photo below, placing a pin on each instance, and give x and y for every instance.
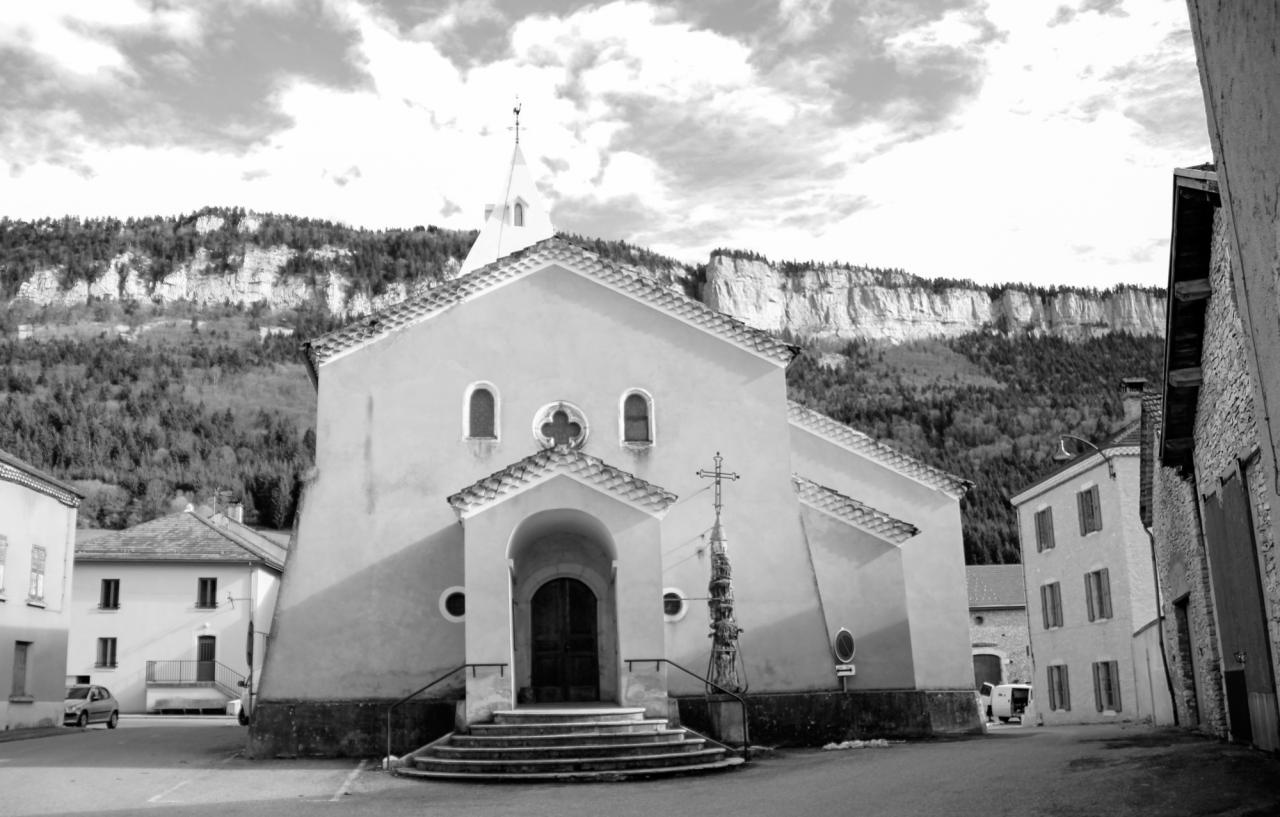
(568, 727)
(451, 751)
(657, 736)
(584, 777)
(566, 765)
(569, 714)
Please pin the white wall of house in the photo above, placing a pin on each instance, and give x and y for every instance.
(158, 619)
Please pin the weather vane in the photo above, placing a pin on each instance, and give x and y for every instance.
(516, 111)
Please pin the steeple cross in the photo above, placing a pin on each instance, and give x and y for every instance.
(516, 111)
(560, 429)
(717, 475)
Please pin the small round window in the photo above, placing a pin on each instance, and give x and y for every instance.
(674, 606)
(453, 603)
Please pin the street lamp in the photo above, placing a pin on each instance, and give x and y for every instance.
(1063, 455)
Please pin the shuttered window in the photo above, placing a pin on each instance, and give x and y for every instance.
(1059, 687)
(1097, 592)
(207, 592)
(1051, 604)
(1090, 510)
(35, 591)
(109, 596)
(480, 415)
(1106, 685)
(635, 419)
(1044, 529)
(106, 652)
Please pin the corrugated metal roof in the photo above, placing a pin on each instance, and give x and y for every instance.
(184, 537)
(996, 586)
(856, 513)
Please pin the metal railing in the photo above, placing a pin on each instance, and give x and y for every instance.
(502, 669)
(742, 702)
(195, 673)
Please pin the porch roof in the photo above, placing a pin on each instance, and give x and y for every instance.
(561, 460)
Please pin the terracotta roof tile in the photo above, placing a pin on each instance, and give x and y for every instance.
(996, 586)
(435, 299)
(13, 469)
(561, 460)
(183, 537)
(860, 443)
(852, 511)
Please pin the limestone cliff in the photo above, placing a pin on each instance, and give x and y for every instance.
(851, 302)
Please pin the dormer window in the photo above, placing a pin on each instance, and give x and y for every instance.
(637, 418)
(518, 219)
(482, 412)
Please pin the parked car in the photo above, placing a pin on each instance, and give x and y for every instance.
(1010, 701)
(247, 695)
(89, 703)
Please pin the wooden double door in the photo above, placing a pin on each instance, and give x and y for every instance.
(565, 649)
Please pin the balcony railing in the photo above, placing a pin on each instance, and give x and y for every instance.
(194, 673)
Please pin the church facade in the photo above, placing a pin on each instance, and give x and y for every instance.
(507, 478)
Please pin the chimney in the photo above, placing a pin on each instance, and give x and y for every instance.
(235, 511)
(1131, 390)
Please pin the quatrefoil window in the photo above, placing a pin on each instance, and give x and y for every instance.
(560, 424)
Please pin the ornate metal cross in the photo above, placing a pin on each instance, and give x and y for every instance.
(560, 429)
(717, 474)
(516, 111)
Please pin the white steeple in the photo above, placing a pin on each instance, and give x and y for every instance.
(518, 220)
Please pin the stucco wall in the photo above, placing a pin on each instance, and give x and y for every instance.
(157, 621)
(27, 519)
(1079, 643)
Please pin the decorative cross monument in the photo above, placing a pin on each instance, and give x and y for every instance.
(722, 668)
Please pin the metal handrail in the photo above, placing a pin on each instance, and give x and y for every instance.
(186, 672)
(502, 668)
(746, 735)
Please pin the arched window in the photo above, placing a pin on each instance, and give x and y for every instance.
(636, 425)
(519, 216)
(481, 413)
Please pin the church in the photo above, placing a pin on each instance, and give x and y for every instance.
(539, 482)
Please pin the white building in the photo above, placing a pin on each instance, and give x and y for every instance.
(162, 611)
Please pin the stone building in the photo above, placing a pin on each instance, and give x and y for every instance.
(507, 478)
(1212, 494)
(1091, 598)
(998, 624)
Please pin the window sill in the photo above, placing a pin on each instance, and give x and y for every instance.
(102, 609)
(637, 445)
(206, 607)
(105, 666)
(22, 699)
(36, 603)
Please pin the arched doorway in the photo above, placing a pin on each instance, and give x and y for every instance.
(565, 648)
(987, 668)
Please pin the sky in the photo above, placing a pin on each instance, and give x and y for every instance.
(1000, 141)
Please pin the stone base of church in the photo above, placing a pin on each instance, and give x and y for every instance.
(816, 718)
(345, 728)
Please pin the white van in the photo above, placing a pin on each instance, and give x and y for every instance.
(1010, 701)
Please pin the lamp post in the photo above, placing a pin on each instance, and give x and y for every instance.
(1063, 455)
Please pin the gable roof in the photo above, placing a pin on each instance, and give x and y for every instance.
(628, 280)
(21, 472)
(184, 537)
(996, 586)
(859, 443)
(856, 513)
(561, 460)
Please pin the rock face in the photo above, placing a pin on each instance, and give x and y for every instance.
(855, 303)
(821, 302)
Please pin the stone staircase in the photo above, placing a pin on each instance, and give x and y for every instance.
(568, 743)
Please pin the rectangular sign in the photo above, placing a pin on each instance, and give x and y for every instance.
(844, 670)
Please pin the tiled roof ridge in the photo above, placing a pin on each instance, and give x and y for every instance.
(858, 514)
(561, 460)
(19, 471)
(426, 302)
(242, 536)
(890, 457)
(116, 545)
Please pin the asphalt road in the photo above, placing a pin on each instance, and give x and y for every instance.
(194, 767)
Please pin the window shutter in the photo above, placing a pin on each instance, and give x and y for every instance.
(1115, 684)
(1097, 685)
(1044, 604)
(1104, 584)
(1057, 604)
(1088, 595)
(1040, 532)
(1066, 688)
(1080, 512)
(1053, 690)
(1095, 502)
(1048, 528)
